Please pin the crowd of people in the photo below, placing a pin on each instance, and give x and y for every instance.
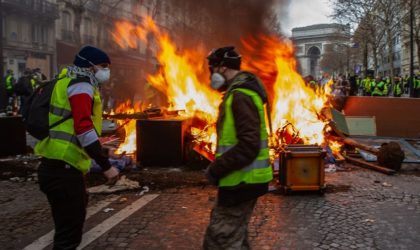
(19, 89)
(382, 86)
(369, 85)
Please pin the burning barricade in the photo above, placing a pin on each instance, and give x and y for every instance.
(299, 127)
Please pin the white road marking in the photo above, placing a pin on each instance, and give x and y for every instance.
(109, 223)
(48, 238)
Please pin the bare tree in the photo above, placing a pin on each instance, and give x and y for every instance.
(380, 19)
(370, 34)
(334, 58)
(388, 13)
(357, 13)
(362, 38)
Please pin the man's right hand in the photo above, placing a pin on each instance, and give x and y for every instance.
(112, 175)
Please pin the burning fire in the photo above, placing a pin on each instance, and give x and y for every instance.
(335, 145)
(293, 102)
(129, 144)
(183, 78)
(179, 80)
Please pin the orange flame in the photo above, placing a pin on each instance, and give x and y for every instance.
(129, 144)
(180, 81)
(292, 100)
(335, 146)
(183, 78)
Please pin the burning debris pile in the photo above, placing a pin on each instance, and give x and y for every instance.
(298, 112)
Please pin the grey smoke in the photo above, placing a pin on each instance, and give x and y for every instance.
(227, 21)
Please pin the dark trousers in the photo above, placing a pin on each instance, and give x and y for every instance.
(10, 97)
(66, 192)
(228, 227)
(23, 100)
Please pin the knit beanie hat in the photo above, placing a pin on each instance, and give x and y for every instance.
(89, 55)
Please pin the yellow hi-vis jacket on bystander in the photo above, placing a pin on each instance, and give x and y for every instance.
(62, 143)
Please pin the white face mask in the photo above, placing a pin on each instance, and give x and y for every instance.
(217, 81)
(38, 76)
(102, 74)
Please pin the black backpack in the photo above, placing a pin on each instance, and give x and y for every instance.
(35, 115)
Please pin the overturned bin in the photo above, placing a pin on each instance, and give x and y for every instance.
(301, 168)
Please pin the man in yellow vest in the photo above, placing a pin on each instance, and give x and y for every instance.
(379, 87)
(9, 82)
(242, 168)
(398, 87)
(67, 151)
(416, 85)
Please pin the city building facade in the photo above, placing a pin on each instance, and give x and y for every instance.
(29, 35)
(385, 63)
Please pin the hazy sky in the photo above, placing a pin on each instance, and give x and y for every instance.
(301, 13)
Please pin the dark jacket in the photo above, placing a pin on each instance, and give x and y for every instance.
(24, 86)
(247, 126)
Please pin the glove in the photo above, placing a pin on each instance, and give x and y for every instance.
(213, 180)
(112, 175)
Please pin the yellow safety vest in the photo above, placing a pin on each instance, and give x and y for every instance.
(62, 143)
(259, 171)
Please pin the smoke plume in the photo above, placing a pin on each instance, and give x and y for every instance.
(222, 22)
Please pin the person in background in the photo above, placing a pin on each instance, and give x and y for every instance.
(67, 151)
(325, 78)
(398, 87)
(24, 88)
(9, 83)
(406, 85)
(39, 75)
(354, 85)
(379, 87)
(310, 81)
(242, 168)
(367, 85)
(388, 86)
(416, 85)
